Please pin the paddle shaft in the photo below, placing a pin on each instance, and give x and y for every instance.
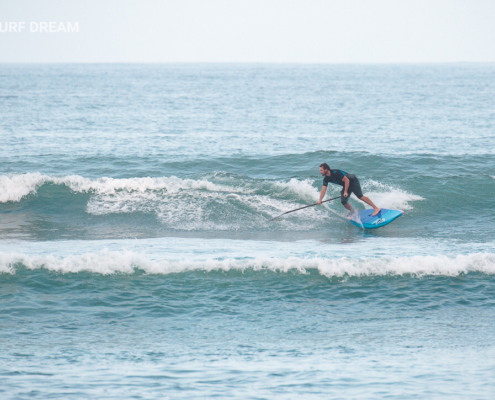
(300, 208)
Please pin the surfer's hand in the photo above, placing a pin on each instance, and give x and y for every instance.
(318, 202)
(345, 194)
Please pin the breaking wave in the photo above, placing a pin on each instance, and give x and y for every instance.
(217, 201)
(111, 262)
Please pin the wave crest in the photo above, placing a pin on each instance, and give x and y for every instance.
(111, 262)
(15, 187)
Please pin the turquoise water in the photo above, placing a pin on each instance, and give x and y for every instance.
(138, 259)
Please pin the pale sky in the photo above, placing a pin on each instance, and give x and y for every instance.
(267, 31)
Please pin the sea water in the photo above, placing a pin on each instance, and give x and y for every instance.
(138, 258)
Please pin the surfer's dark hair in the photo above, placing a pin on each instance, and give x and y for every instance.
(325, 166)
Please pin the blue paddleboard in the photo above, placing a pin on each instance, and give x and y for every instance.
(384, 217)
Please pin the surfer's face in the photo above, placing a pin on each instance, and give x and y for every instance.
(323, 171)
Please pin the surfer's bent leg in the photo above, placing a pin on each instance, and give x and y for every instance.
(344, 199)
(359, 194)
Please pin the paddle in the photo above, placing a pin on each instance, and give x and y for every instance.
(297, 209)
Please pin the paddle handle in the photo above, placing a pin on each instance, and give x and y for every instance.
(300, 208)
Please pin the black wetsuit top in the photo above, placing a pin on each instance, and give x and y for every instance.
(336, 177)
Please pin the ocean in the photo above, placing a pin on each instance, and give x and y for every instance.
(138, 258)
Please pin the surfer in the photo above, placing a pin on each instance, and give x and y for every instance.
(350, 184)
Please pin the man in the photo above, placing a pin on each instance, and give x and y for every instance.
(349, 183)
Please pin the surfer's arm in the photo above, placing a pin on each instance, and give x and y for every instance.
(322, 194)
(345, 179)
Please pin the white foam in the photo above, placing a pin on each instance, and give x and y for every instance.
(15, 187)
(185, 204)
(140, 185)
(303, 189)
(110, 262)
(386, 196)
(193, 205)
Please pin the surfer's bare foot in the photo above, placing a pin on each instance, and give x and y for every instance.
(377, 210)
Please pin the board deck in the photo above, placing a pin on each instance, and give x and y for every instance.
(384, 217)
